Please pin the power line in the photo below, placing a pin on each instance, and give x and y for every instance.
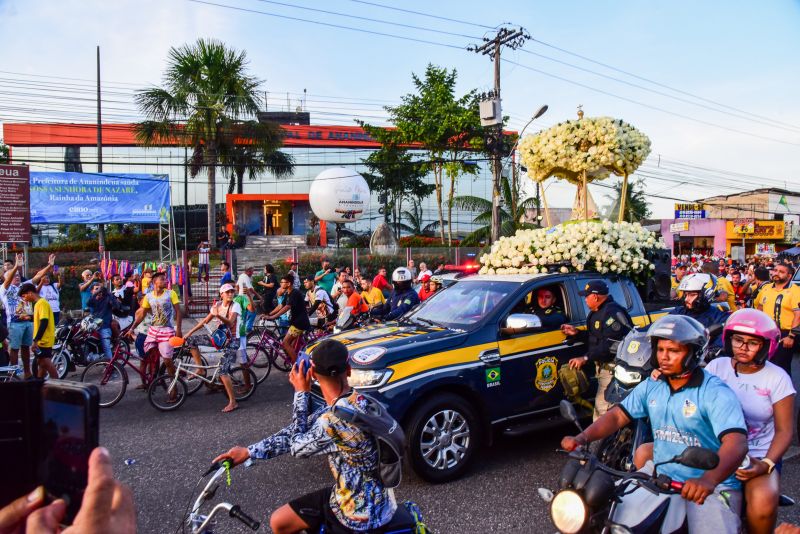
(393, 8)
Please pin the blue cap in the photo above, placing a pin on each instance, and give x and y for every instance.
(594, 287)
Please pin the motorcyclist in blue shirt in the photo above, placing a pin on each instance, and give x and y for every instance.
(402, 299)
(686, 406)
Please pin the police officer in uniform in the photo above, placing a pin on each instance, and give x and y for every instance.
(403, 297)
(607, 322)
(547, 310)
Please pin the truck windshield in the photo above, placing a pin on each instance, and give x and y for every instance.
(462, 304)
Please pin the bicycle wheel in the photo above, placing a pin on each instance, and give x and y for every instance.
(260, 362)
(277, 355)
(193, 383)
(111, 381)
(167, 393)
(244, 383)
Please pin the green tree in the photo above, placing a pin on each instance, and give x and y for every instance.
(509, 222)
(249, 147)
(206, 92)
(445, 126)
(415, 221)
(4, 152)
(395, 176)
(636, 206)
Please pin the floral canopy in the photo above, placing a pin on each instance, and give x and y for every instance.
(597, 146)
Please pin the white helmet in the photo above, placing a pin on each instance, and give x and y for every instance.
(694, 282)
(401, 274)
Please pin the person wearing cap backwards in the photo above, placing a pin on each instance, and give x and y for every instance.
(228, 313)
(359, 501)
(607, 322)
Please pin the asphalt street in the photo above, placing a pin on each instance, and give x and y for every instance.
(171, 450)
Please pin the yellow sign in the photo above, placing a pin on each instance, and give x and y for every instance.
(759, 230)
(744, 226)
(689, 207)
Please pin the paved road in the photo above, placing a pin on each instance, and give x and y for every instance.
(172, 449)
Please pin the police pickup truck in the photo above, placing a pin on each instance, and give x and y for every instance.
(472, 359)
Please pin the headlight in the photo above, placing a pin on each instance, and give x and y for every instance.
(363, 378)
(568, 512)
(627, 377)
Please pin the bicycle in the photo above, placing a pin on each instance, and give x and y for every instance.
(111, 377)
(174, 388)
(269, 347)
(200, 523)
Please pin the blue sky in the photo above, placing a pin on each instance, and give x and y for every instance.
(740, 54)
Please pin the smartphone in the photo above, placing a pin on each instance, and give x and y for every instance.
(303, 361)
(70, 417)
(55, 269)
(20, 438)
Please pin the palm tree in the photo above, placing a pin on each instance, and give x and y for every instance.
(415, 223)
(249, 147)
(636, 206)
(206, 92)
(509, 223)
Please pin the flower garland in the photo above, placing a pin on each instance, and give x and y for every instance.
(604, 247)
(597, 145)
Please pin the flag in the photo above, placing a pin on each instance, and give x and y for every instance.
(783, 202)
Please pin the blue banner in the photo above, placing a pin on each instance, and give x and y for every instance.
(80, 198)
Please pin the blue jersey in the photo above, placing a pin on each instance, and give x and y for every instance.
(699, 414)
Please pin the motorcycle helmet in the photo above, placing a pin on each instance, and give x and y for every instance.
(705, 284)
(401, 274)
(754, 323)
(684, 330)
(402, 279)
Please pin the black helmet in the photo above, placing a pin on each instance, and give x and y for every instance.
(681, 329)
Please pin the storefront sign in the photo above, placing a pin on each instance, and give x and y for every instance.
(772, 230)
(690, 211)
(744, 226)
(15, 209)
(675, 228)
(765, 249)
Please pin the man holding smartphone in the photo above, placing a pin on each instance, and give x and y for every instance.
(44, 330)
(325, 277)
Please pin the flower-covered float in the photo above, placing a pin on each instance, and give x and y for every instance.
(580, 152)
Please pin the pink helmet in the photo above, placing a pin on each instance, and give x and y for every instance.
(754, 323)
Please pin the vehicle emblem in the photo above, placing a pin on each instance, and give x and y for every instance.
(367, 355)
(492, 377)
(546, 373)
(633, 346)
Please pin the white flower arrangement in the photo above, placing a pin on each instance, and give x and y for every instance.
(604, 247)
(597, 145)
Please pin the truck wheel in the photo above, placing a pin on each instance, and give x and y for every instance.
(444, 433)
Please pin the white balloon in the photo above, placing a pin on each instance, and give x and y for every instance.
(339, 195)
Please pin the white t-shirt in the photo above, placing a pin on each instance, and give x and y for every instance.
(757, 392)
(203, 255)
(51, 294)
(423, 273)
(224, 312)
(244, 282)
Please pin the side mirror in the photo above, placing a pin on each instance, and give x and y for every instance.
(714, 330)
(698, 458)
(568, 411)
(523, 321)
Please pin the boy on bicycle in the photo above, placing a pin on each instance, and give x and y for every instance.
(229, 314)
(359, 501)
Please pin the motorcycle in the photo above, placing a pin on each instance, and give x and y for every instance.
(631, 367)
(593, 497)
(348, 321)
(78, 343)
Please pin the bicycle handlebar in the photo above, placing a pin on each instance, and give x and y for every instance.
(236, 511)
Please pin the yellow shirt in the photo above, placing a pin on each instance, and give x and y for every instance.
(42, 310)
(780, 304)
(725, 285)
(373, 296)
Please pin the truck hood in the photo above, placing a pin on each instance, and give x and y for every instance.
(378, 346)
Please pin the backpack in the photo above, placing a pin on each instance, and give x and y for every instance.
(388, 434)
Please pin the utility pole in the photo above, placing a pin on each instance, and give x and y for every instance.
(492, 47)
(101, 229)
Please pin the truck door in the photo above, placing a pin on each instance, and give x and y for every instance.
(530, 360)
